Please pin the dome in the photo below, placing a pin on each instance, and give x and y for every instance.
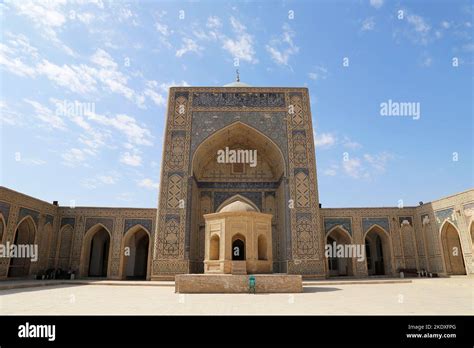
(237, 84)
(237, 206)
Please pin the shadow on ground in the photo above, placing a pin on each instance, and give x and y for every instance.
(309, 289)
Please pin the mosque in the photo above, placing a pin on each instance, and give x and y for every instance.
(237, 216)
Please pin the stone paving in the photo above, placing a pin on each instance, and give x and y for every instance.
(421, 296)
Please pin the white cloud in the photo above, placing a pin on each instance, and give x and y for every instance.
(77, 78)
(158, 99)
(47, 116)
(103, 59)
(8, 115)
(416, 29)
(348, 143)
(368, 166)
(21, 43)
(368, 24)
(14, 57)
(427, 61)
(445, 24)
(324, 140)
(48, 17)
(281, 49)
(100, 180)
(165, 86)
(131, 159)
(213, 22)
(127, 125)
(376, 3)
(378, 161)
(331, 171)
(107, 179)
(188, 45)
(242, 45)
(419, 31)
(16, 65)
(148, 184)
(318, 73)
(353, 167)
(33, 161)
(74, 157)
(45, 13)
(86, 17)
(419, 24)
(163, 29)
(112, 79)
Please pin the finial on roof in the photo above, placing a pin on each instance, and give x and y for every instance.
(238, 75)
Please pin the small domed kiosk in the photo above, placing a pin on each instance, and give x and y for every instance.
(238, 239)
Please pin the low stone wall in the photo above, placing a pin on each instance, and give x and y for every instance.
(224, 283)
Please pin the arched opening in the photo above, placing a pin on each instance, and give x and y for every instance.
(24, 235)
(472, 235)
(99, 254)
(2, 228)
(269, 164)
(339, 265)
(452, 250)
(214, 248)
(238, 142)
(238, 248)
(96, 250)
(135, 254)
(262, 247)
(378, 254)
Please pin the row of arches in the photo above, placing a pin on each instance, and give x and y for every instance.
(135, 260)
(238, 247)
(96, 250)
(378, 251)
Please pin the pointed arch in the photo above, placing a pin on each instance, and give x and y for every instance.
(101, 259)
(378, 246)
(339, 266)
(239, 246)
(471, 231)
(3, 228)
(214, 248)
(25, 233)
(139, 241)
(256, 139)
(339, 228)
(453, 255)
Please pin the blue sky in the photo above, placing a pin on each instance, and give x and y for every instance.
(121, 57)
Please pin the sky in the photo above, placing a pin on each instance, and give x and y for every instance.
(83, 90)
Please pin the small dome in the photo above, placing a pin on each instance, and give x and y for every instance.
(237, 84)
(237, 206)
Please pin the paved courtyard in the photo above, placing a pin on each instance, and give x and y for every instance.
(422, 296)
